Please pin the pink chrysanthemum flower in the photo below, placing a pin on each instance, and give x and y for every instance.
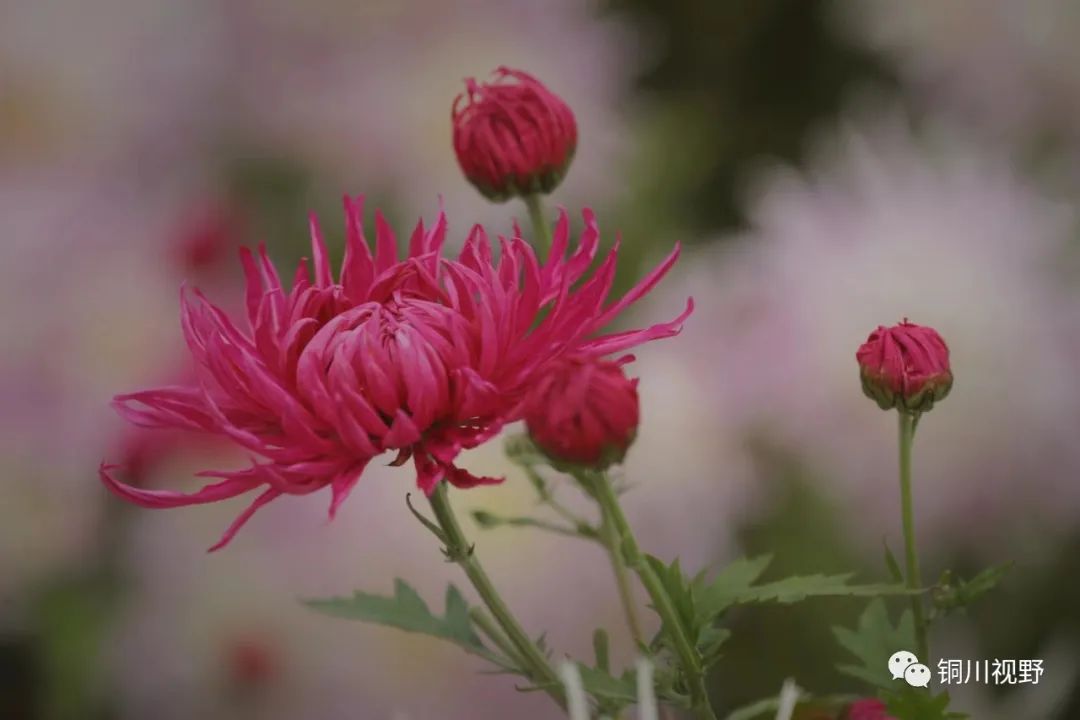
(424, 357)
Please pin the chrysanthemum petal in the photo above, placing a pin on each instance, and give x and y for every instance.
(170, 499)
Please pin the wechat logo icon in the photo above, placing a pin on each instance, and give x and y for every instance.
(904, 665)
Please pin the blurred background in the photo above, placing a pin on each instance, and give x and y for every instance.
(831, 164)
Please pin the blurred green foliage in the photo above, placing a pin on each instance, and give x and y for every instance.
(742, 81)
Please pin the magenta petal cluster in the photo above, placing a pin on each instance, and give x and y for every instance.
(584, 411)
(512, 135)
(867, 709)
(905, 366)
(421, 357)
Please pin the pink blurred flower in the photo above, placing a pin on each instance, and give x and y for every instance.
(251, 661)
(206, 237)
(424, 356)
(905, 365)
(512, 136)
(584, 410)
(867, 709)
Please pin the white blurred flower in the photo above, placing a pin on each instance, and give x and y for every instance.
(880, 229)
(1007, 66)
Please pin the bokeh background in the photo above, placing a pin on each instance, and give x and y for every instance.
(831, 165)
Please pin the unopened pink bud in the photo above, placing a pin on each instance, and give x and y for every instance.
(905, 366)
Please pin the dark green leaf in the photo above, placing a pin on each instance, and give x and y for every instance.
(918, 704)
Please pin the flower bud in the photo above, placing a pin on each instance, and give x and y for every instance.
(867, 709)
(905, 366)
(584, 412)
(512, 136)
(251, 662)
(209, 235)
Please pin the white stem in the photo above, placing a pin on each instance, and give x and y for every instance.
(576, 702)
(789, 695)
(646, 696)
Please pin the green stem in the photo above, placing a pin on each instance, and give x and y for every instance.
(687, 653)
(914, 580)
(459, 550)
(541, 230)
(492, 632)
(609, 536)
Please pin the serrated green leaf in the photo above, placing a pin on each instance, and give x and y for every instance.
(604, 686)
(735, 586)
(406, 610)
(799, 587)
(874, 641)
(715, 597)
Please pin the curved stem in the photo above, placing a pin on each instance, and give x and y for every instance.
(914, 581)
(687, 653)
(541, 230)
(459, 550)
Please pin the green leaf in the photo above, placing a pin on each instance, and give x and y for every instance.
(603, 686)
(600, 648)
(717, 596)
(488, 520)
(892, 565)
(917, 704)
(711, 639)
(957, 595)
(874, 641)
(677, 586)
(799, 587)
(735, 586)
(405, 610)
